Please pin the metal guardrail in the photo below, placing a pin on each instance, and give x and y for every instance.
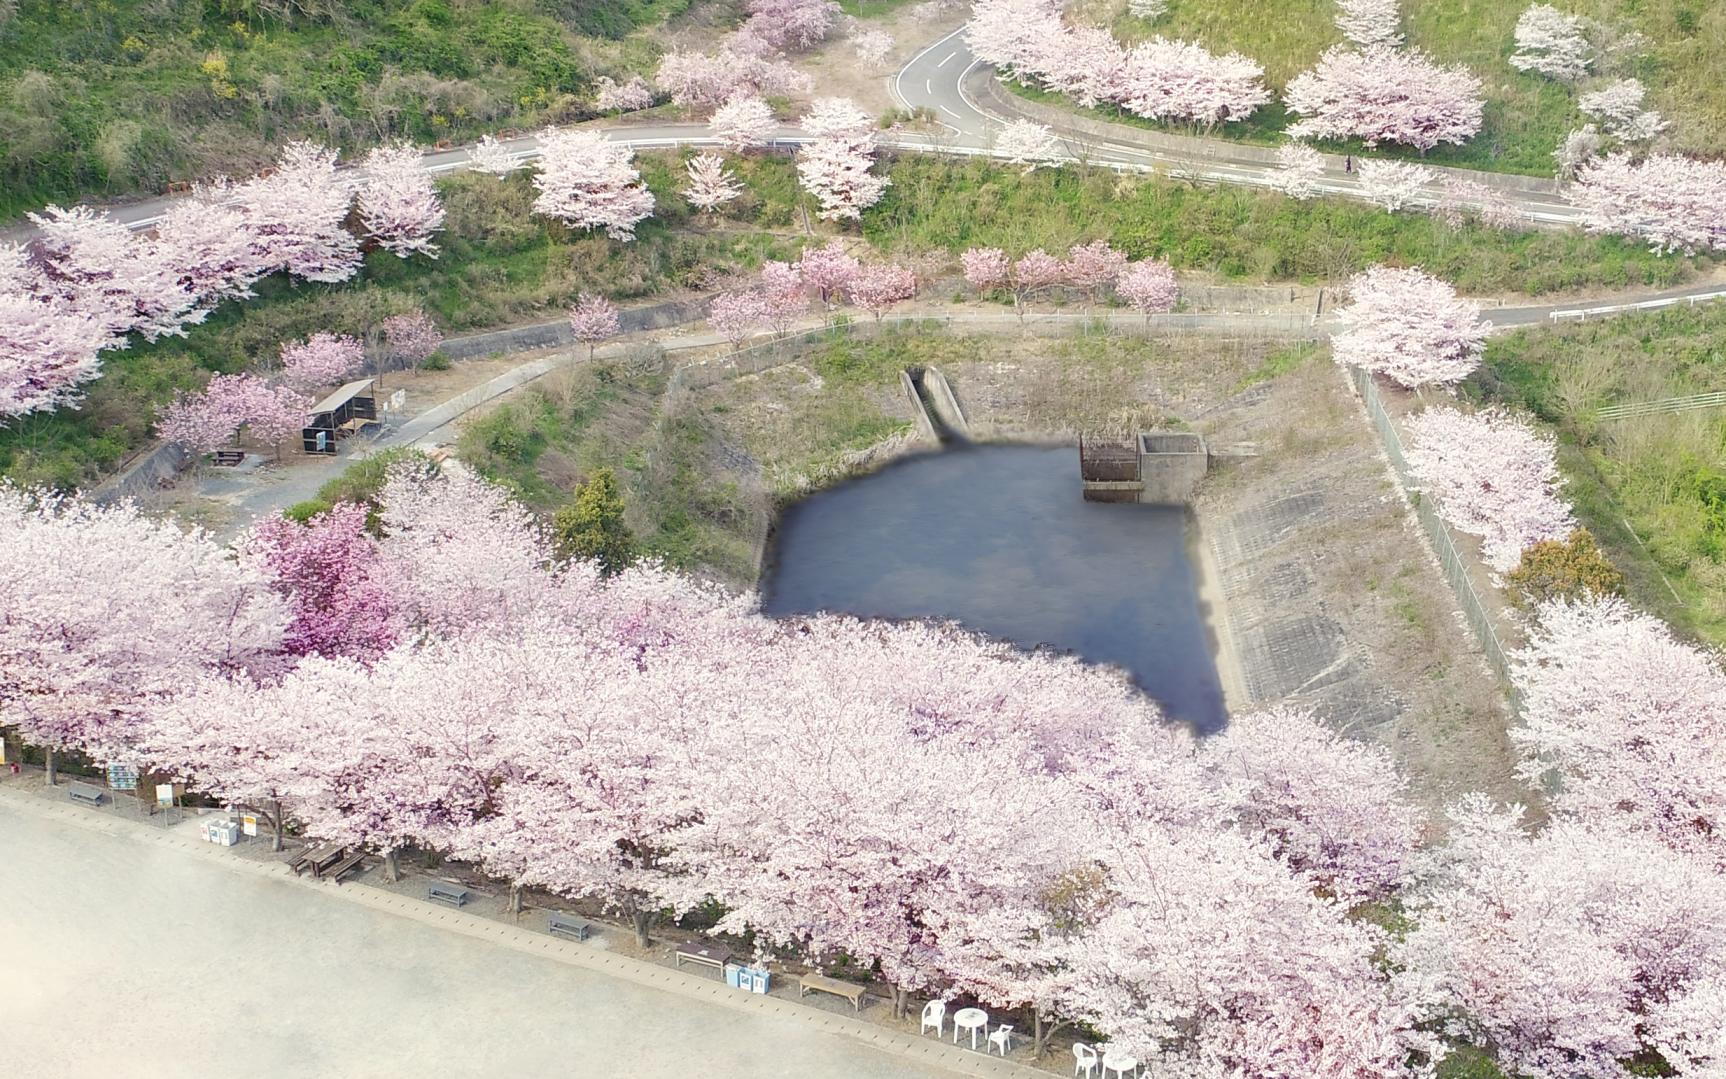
(1664, 406)
(1581, 314)
(1455, 567)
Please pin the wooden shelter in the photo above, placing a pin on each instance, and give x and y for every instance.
(344, 412)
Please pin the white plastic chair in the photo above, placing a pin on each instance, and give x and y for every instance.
(1001, 1039)
(934, 1015)
(1085, 1061)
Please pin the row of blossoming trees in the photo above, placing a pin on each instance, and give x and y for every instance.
(970, 819)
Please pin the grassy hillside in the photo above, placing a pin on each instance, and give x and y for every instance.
(105, 97)
(1526, 115)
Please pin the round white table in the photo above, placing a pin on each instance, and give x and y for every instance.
(972, 1019)
(1119, 1064)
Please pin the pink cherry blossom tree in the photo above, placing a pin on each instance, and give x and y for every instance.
(1492, 475)
(593, 319)
(412, 336)
(711, 185)
(1393, 184)
(1149, 285)
(398, 203)
(1552, 43)
(1466, 199)
(1410, 327)
(743, 123)
(1551, 949)
(1182, 81)
(1300, 169)
(297, 213)
(873, 46)
(206, 243)
(322, 359)
(880, 286)
(587, 181)
(1385, 95)
(834, 165)
(1093, 267)
(790, 24)
(1578, 148)
(611, 96)
(828, 270)
(489, 156)
(1034, 273)
(1370, 22)
(331, 574)
(705, 80)
(1619, 109)
(1084, 62)
(1028, 143)
(1622, 722)
(985, 268)
(786, 296)
(737, 316)
(48, 350)
(1675, 203)
(88, 262)
(149, 608)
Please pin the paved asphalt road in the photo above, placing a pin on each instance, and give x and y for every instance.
(119, 957)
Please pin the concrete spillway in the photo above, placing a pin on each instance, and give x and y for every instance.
(939, 414)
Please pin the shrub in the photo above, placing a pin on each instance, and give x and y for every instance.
(1570, 569)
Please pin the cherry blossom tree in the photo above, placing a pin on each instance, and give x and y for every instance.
(1409, 326)
(1178, 80)
(1028, 143)
(1551, 949)
(398, 203)
(1385, 95)
(1689, 1031)
(1034, 273)
(1619, 109)
(1492, 475)
(205, 241)
(47, 352)
(322, 359)
(273, 414)
(1093, 267)
(109, 611)
(742, 123)
(631, 96)
(834, 165)
(331, 574)
(412, 337)
(1466, 198)
(205, 421)
(1370, 22)
(1014, 35)
(1149, 286)
(828, 270)
(985, 268)
(711, 185)
(1622, 721)
(1335, 811)
(1578, 148)
(1675, 203)
(880, 286)
(1393, 184)
(785, 294)
(872, 46)
(790, 24)
(587, 181)
(593, 319)
(296, 214)
(703, 80)
(1552, 43)
(1300, 168)
(737, 316)
(1084, 62)
(489, 156)
(91, 264)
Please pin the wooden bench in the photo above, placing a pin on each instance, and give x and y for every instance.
(559, 924)
(711, 955)
(84, 792)
(308, 857)
(324, 857)
(229, 458)
(335, 872)
(444, 892)
(820, 983)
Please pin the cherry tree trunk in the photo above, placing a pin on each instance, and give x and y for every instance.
(48, 756)
(1044, 1028)
(643, 921)
(392, 868)
(515, 898)
(901, 1002)
(276, 823)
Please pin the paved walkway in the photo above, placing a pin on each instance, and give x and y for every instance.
(130, 950)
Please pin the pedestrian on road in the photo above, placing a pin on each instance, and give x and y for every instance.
(1348, 163)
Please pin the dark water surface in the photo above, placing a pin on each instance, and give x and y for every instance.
(999, 538)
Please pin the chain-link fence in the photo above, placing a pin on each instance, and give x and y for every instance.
(1449, 558)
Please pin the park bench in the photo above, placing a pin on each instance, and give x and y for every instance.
(820, 983)
(559, 924)
(323, 857)
(711, 955)
(335, 872)
(229, 458)
(444, 892)
(84, 792)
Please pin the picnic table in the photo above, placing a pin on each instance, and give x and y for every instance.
(711, 955)
(820, 983)
(317, 859)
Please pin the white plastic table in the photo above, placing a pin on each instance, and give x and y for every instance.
(1118, 1063)
(972, 1019)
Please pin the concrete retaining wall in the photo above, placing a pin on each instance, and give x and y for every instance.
(946, 405)
(155, 469)
(1171, 466)
(557, 334)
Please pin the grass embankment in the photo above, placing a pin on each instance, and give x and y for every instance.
(1652, 489)
(103, 97)
(1526, 115)
(500, 265)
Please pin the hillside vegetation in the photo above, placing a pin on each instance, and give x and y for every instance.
(106, 97)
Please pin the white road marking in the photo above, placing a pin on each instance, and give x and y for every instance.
(951, 113)
(949, 56)
(928, 89)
